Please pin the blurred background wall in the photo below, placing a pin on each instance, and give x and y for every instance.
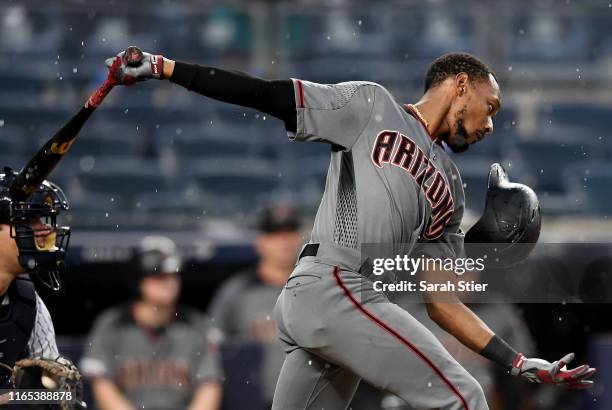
(156, 158)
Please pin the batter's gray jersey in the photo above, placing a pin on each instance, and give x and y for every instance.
(388, 182)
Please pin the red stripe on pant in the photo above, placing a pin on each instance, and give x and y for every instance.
(395, 334)
(301, 93)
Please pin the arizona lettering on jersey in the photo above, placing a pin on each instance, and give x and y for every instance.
(397, 149)
(148, 374)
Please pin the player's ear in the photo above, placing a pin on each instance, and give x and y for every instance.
(461, 83)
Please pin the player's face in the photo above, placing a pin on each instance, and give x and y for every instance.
(43, 234)
(9, 253)
(279, 248)
(472, 119)
(160, 290)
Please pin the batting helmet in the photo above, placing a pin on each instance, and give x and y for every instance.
(157, 255)
(510, 226)
(43, 258)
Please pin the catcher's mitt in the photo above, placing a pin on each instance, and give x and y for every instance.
(42, 373)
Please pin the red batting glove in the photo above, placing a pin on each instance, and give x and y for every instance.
(147, 66)
(111, 80)
(541, 371)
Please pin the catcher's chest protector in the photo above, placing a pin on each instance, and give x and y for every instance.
(17, 325)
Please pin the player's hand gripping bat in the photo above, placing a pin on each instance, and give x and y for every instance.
(135, 65)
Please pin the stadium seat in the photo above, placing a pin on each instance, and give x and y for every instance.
(591, 185)
(207, 141)
(125, 178)
(541, 161)
(15, 140)
(247, 181)
(109, 139)
(187, 201)
(589, 120)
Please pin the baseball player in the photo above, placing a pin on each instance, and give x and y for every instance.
(242, 307)
(390, 181)
(154, 353)
(33, 245)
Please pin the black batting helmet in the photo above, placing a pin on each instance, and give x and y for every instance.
(510, 226)
(157, 255)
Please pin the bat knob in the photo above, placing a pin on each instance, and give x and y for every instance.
(133, 56)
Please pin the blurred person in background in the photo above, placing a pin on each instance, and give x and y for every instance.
(154, 353)
(242, 307)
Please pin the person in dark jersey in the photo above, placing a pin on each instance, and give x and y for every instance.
(33, 245)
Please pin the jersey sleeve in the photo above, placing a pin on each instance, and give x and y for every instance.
(42, 339)
(333, 113)
(223, 306)
(97, 359)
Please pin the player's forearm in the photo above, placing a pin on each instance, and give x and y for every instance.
(273, 97)
(168, 67)
(458, 320)
(207, 397)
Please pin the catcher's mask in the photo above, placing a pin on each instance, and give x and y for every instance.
(510, 226)
(33, 222)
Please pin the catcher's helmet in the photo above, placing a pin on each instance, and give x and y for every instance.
(510, 226)
(45, 259)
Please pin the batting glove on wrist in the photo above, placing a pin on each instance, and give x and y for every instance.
(542, 371)
(136, 65)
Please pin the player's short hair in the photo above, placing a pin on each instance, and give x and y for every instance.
(454, 63)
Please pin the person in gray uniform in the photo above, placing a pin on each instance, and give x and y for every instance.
(242, 307)
(390, 181)
(153, 353)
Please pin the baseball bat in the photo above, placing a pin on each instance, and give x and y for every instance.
(46, 159)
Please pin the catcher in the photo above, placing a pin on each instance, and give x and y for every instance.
(32, 245)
